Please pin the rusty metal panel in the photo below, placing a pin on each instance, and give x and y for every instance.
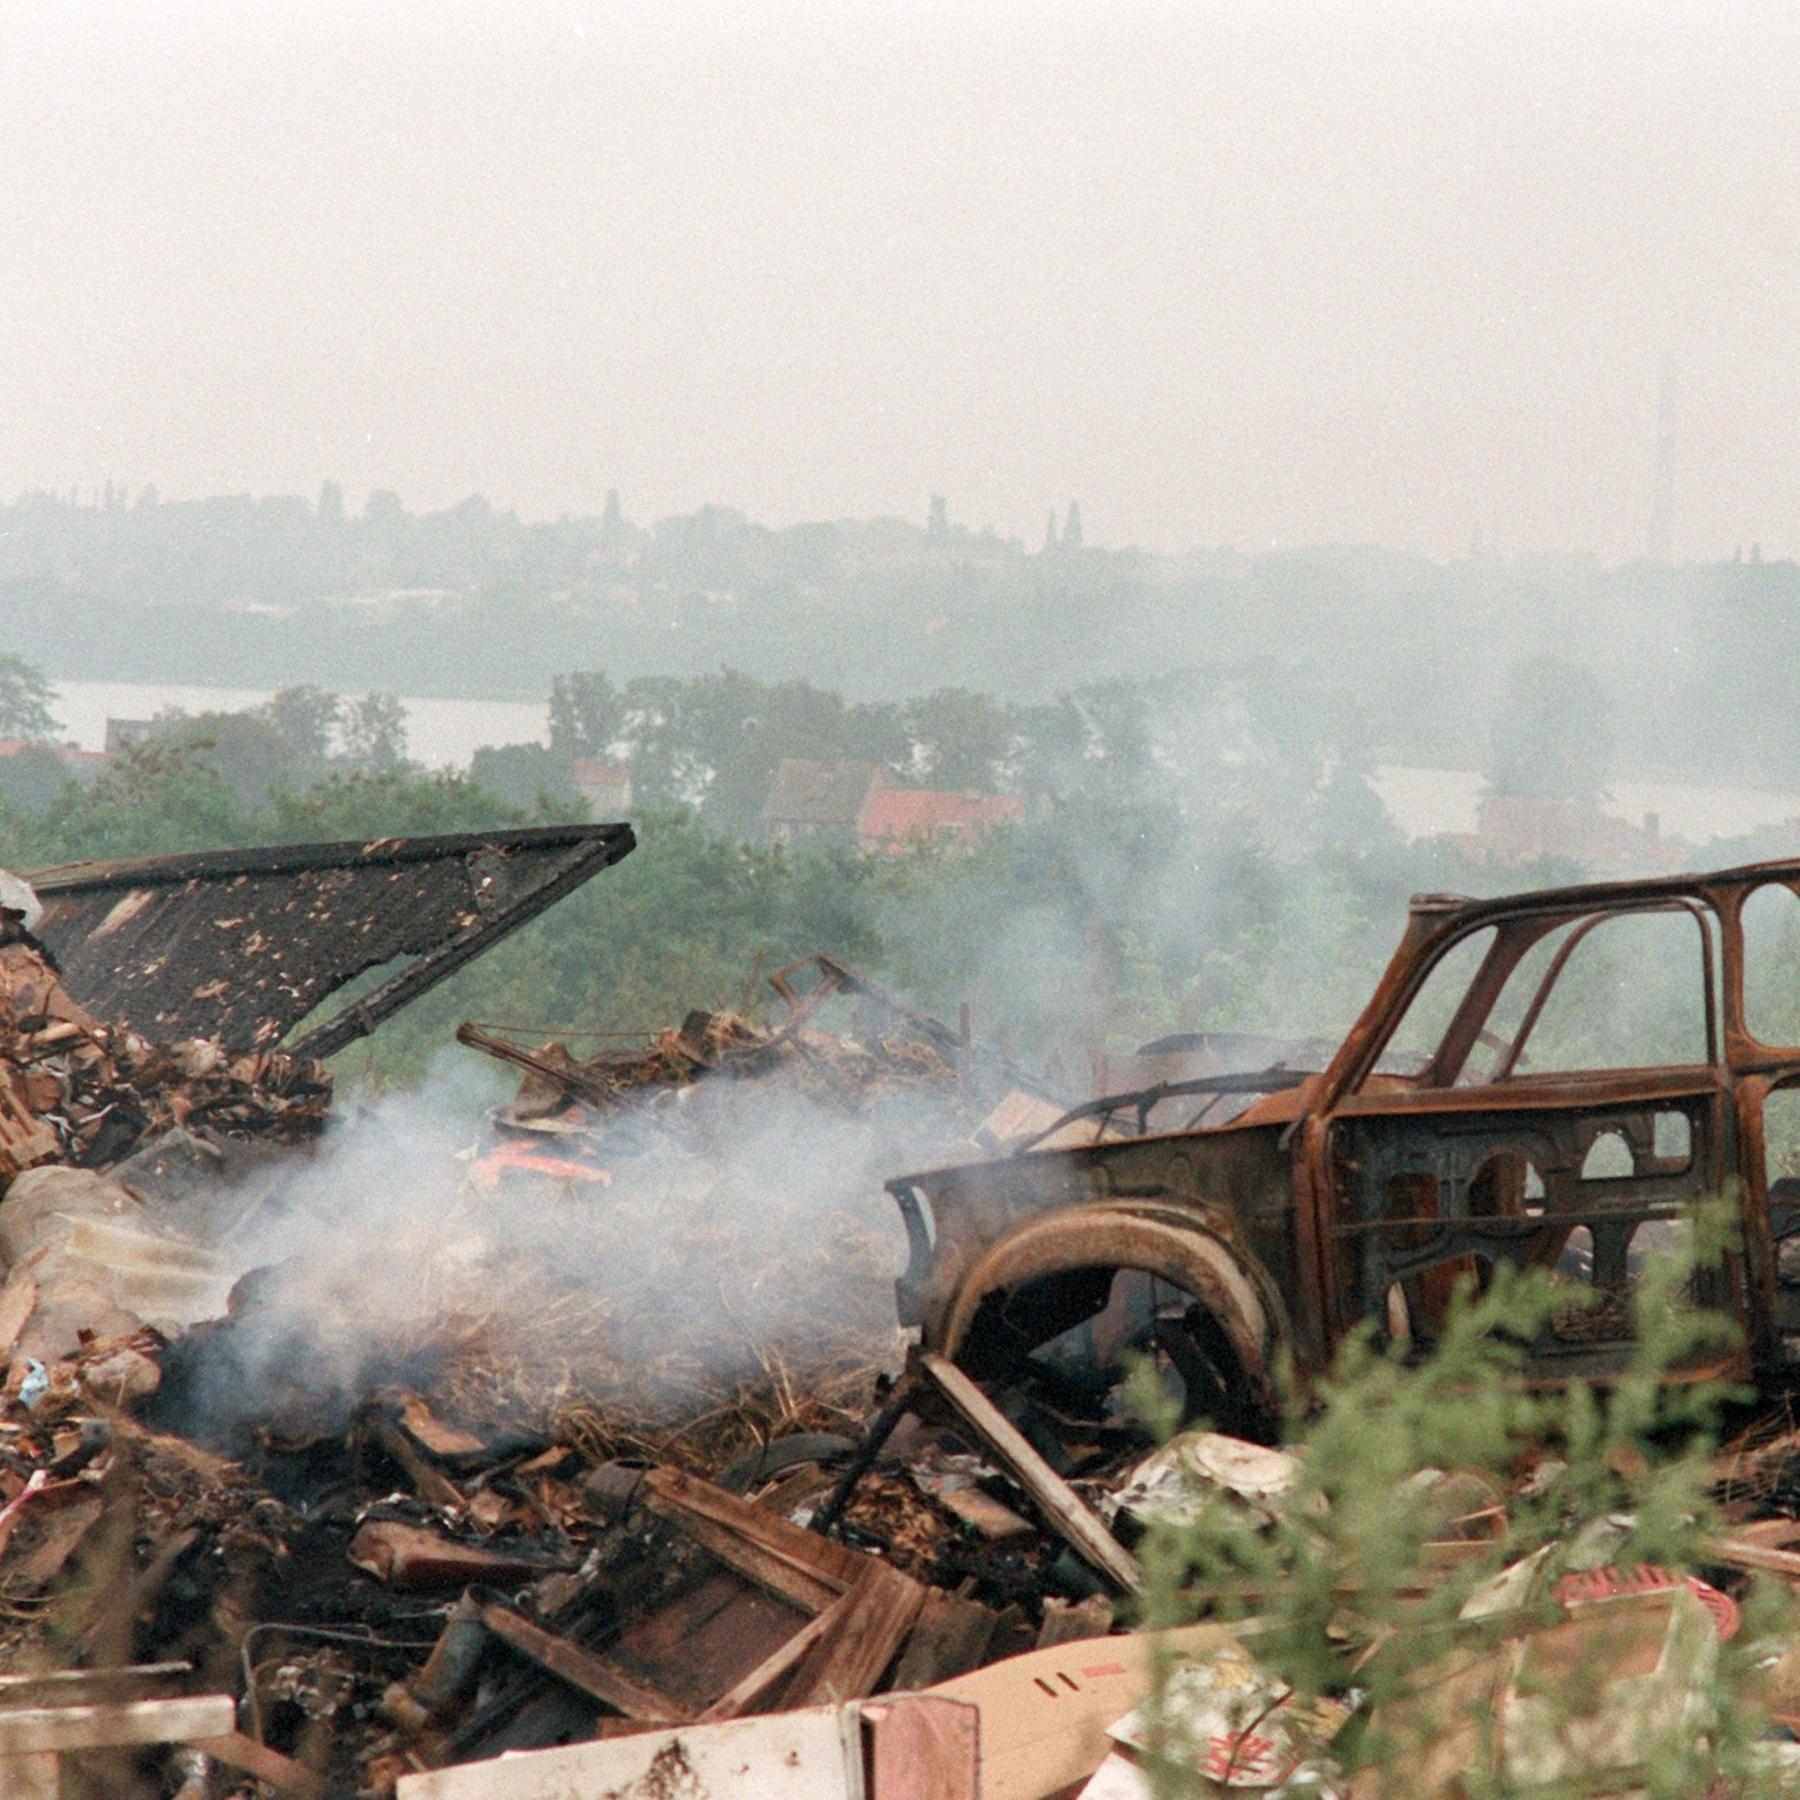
(242, 945)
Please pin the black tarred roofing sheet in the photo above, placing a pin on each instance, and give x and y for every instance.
(242, 945)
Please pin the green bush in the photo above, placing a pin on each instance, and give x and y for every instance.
(1345, 1594)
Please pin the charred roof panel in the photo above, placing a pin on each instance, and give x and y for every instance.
(243, 944)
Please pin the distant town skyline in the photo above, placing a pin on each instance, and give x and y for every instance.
(939, 515)
(1268, 275)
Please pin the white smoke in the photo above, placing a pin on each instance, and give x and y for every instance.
(740, 1229)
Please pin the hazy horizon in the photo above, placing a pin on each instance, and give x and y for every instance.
(1026, 541)
(1284, 276)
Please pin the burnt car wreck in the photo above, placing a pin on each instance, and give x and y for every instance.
(1488, 1107)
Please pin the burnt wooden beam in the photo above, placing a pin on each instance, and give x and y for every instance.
(580, 1668)
(1061, 1507)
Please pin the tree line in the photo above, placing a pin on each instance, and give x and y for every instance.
(1207, 855)
(1695, 660)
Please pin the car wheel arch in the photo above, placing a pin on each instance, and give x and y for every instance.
(1162, 1241)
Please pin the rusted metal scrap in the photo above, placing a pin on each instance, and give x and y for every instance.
(242, 945)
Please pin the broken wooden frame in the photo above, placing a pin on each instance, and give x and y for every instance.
(824, 1622)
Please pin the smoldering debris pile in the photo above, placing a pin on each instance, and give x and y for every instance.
(698, 1223)
(548, 1475)
(327, 1390)
(443, 1613)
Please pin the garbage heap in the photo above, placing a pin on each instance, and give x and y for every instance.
(330, 1389)
(77, 1090)
(553, 1483)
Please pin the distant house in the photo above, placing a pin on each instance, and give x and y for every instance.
(605, 786)
(84, 766)
(897, 819)
(1524, 828)
(853, 804)
(127, 734)
(818, 800)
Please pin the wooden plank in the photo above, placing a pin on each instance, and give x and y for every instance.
(1063, 1509)
(409, 1557)
(672, 1493)
(839, 1655)
(799, 1566)
(744, 1695)
(789, 1756)
(29, 1729)
(704, 1639)
(864, 1639)
(74, 1682)
(768, 1569)
(430, 1481)
(950, 1638)
(581, 1669)
(282, 1773)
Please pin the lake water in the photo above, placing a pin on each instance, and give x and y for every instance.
(440, 733)
(1426, 802)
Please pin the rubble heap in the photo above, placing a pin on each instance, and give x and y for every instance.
(391, 1609)
(606, 1474)
(76, 1090)
(235, 1470)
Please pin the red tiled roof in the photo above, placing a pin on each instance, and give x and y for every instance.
(65, 753)
(594, 771)
(920, 814)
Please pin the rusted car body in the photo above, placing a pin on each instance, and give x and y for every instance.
(1530, 1128)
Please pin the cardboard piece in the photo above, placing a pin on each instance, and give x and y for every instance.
(1045, 1715)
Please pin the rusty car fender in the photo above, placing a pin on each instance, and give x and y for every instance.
(1165, 1241)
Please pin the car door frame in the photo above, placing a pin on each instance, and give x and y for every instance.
(1436, 930)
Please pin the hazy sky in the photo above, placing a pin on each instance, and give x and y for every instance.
(1227, 273)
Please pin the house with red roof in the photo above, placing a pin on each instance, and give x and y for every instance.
(607, 787)
(898, 819)
(853, 803)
